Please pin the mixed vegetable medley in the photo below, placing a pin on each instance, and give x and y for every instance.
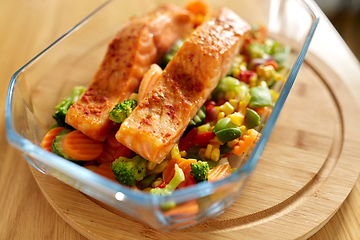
(228, 123)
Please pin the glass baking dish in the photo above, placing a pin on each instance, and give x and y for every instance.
(72, 60)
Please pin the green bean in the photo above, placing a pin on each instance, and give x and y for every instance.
(252, 119)
(222, 124)
(146, 181)
(260, 97)
(229, 134)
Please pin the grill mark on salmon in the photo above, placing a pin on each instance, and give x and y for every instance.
(157, 123)
(137, 45)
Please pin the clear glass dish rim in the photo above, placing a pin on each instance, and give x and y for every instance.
(87, 176)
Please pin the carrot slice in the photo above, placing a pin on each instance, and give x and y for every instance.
(246, 141)
(112, 142)
(169, 170)
(122, 151)
(219, 172)
(105, 171)
(106, 155)
(49, 138)
(185, 166)
(187, 208)
(197, 7)
(80, 147)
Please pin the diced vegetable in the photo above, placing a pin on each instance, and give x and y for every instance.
(260, 97)
(79, 146)
(198, 118)
(252, 118)
(122, 110)
(65, 104)
(49, 138)
(178, 178)
(246, 141)
(199, 171)
(128, 171)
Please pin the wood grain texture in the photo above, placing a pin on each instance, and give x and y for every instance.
(304, 174)
(29, 26)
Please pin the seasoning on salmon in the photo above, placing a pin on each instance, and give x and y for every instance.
(157, 123)
(128, 57)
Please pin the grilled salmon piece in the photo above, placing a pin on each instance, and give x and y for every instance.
(168, 23)
(128, 57)
(157, 123)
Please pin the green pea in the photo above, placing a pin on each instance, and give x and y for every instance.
(222, 124)
(252, 119)
(260, 97)
(228, 134)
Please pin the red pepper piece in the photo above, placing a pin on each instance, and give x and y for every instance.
(162, 185)
(245, 75)
(203, 139)
(210, 111)
(272, 63)
(186, 141)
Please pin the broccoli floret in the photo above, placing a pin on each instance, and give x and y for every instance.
(172, 185)
(122, 110)
(199, 171)
(127, 170)
(65, 104)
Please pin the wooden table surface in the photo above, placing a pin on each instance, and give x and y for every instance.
(27, 27)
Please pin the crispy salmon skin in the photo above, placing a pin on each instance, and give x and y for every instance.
(129, 56)
(157, 123)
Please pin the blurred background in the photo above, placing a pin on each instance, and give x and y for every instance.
(345, 16)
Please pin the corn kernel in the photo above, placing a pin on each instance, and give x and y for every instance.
(208, 151)
(263, 84)
(237, 118)
(202, 153)
(234, 102)
(252, 80)
(243, 130)
(221, 115)
(183, 153)
(216, 142)
(269, 71)
(232, 143)
(242, 108)
(230, 95)
(236, 73)
(265, 71)
(203, 128)
(175, 152)
(217, 110)
(227, 108)
(150, 165)
(243, 66)
(260, 70)
(277, 76)
(274, 95)
(215, 154)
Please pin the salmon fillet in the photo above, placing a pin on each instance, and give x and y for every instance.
(128, 57)
(157, 123)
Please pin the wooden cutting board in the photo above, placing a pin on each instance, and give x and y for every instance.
(306, 171)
